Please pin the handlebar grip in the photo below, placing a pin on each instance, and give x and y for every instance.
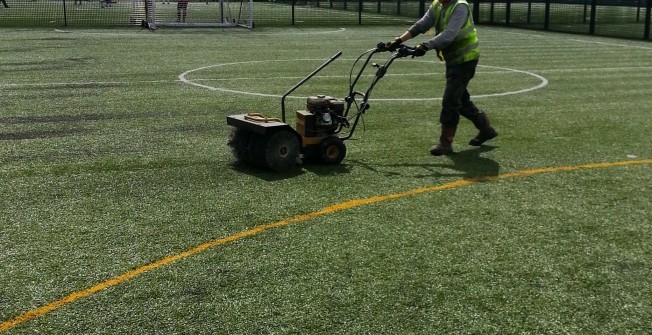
(405, 51)
(381, 47)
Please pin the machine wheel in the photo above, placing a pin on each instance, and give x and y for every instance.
(281, 150)
(332, 150)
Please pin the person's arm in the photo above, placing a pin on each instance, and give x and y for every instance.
(424, 24)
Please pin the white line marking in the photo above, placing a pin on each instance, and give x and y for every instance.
(182, 77)
(100, 83)
(543, 35)
(338, 76)
(602, 69)
(297, 33)
(235, 31)
(88, 83)
(542, 84)
(613, 44)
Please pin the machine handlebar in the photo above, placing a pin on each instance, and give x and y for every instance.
(401, 51)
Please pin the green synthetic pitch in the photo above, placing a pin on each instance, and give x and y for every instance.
(113, 155)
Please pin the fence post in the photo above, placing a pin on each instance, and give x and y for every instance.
(648, 14)
(294, 3)
(65, 14)
(594, 8)
(422, 7)
(546, 16)
(508, 10)
(476, 11)
(360, 12)
(491, 12)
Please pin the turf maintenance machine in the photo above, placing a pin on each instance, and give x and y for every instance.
(321, 129)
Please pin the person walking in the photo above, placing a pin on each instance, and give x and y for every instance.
(182, 10)
(456, 43)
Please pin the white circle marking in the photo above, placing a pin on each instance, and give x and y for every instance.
(182, 77)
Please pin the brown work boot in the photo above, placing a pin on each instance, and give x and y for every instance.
(486, 131)
(445, 145)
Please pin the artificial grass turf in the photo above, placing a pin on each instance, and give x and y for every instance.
(404, 266)
(122, 173)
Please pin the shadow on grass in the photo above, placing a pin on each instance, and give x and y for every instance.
(263, 173)
(327, 169)
(269, 175)
(469, 164)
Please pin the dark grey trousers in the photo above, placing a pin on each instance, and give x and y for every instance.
(457, 100)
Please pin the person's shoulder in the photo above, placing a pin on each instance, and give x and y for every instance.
(461, 6)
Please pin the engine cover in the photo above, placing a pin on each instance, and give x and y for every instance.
(327, 114)
(324, 104)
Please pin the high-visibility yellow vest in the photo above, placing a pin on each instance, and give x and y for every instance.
(465, 47)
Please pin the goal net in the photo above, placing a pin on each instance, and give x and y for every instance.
(197, 13)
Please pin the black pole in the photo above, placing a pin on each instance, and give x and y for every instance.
(594, 6)
(294, 2)
(546, 16)
(221, 12)
(648, 14)
(491, 12)
(360, 12)
(65, 14)
(508, 12)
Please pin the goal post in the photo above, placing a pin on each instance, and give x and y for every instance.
(197, 13)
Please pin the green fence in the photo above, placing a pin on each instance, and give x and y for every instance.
(338, 13)
(617, 18)
(71, 13)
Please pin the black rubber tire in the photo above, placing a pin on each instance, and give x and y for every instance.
(332, 150)
(281, 150)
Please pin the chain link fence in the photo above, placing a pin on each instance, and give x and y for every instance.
(615, 18)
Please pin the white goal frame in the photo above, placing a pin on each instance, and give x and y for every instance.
(198, 13)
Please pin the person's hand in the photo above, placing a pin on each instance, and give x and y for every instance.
(393, 45)
(420, 50)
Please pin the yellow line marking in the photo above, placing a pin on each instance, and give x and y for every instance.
(40, 311)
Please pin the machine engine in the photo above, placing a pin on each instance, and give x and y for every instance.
(323, 117)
